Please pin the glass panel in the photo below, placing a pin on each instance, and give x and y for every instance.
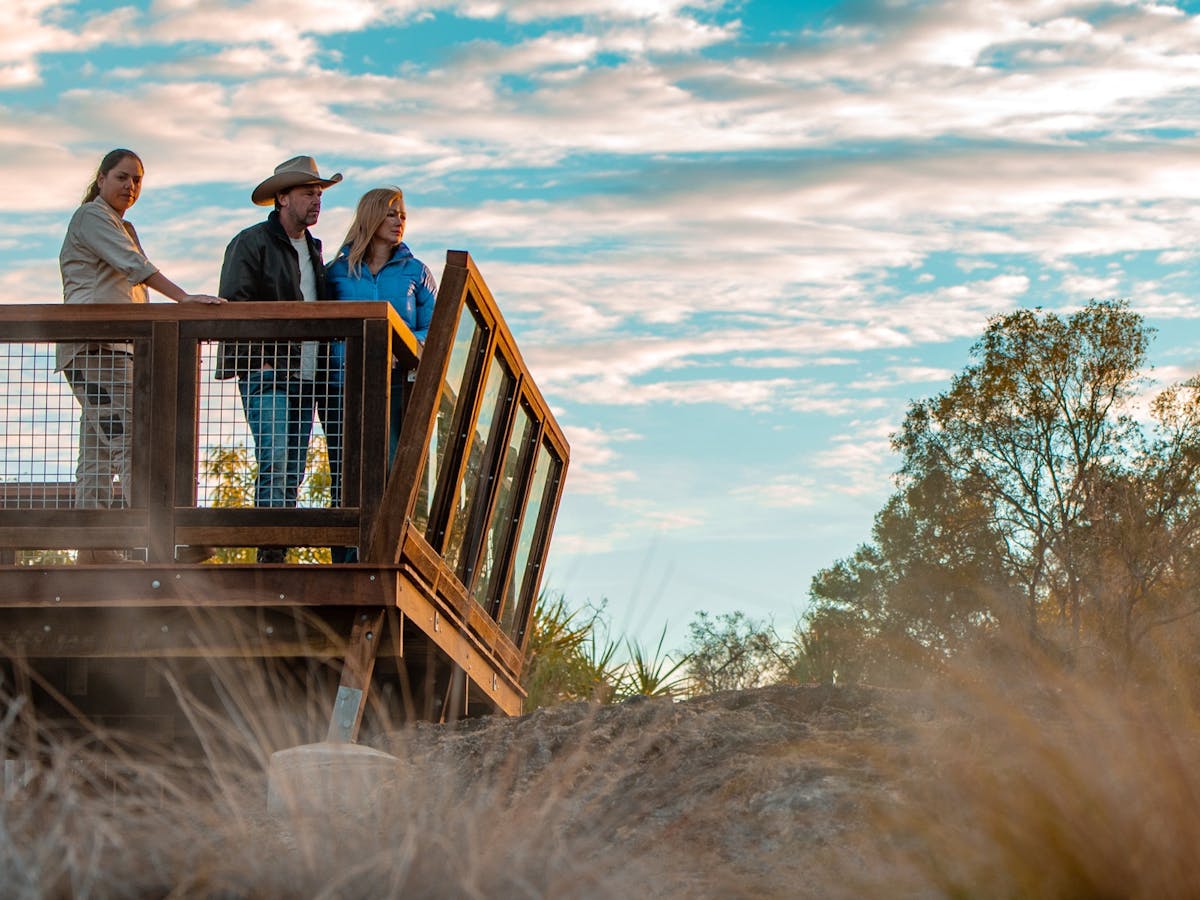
(474, 491)
(504, 517)
(439, 438)
(525, 543)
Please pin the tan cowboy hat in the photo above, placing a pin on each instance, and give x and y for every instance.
(296, 171)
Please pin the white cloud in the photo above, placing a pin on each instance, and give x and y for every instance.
(31, 282)
(859, 462)
(528, 10)
(593, 460)
(780, 492)
(1174, 257)
(902, 375)
(35, 27)
(1086, 287)
(785, 261)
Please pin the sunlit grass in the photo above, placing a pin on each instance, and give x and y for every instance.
(991, 780)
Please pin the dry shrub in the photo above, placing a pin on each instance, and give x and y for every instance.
(1026, 779)
(109, 816)
(1002, 778)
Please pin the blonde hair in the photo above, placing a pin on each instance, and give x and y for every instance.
(372, 209)
(112, 159)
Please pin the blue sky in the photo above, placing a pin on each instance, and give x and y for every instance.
(734, 239)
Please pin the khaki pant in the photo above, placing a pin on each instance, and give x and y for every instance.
(102, 381)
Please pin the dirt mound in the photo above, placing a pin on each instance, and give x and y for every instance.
(729, 794)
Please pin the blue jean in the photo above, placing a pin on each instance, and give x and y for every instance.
(279, 411)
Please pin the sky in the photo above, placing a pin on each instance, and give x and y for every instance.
(734, 240)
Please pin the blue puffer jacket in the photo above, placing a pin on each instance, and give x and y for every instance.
(404, 281)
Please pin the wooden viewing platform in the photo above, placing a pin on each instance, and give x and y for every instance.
(452, 534)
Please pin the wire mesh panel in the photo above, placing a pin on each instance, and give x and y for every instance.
(62, 426)
(155, 428)
(225, 467)
(265, 438)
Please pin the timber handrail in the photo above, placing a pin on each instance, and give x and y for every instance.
(167, 340)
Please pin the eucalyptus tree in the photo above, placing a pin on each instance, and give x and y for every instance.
(1031, 428)
(732, 652)
(1031, 499)
(1142, 576)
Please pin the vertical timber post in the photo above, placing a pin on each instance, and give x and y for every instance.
(351, 698)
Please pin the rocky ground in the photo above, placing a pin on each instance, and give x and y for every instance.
(730, 794)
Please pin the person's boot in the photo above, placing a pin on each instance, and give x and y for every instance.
(192, 554)
(104, 558)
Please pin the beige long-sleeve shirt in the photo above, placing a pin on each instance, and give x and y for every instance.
(101, 261)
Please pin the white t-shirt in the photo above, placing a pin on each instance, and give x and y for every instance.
(308, 291)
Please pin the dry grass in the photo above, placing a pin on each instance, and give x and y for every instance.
(1053, 786)
(1065, 785)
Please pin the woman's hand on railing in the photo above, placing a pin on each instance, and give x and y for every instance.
(201, 298)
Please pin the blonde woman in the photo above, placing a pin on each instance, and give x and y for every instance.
(374, 263)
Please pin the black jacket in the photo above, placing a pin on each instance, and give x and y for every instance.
(261, 264)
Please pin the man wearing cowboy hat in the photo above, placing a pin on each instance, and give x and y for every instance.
(280, 381)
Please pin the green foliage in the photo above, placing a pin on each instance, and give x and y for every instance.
(1033, 515)
(569, 657)
(566, 659)
(651, 673)
(1030, 505)
(44, 558)
(230, 472)
(826, 651)
(1027, 430)
(732, 652)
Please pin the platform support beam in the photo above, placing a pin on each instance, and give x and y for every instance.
(351, 700)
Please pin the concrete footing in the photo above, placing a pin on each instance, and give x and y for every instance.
(329, 778)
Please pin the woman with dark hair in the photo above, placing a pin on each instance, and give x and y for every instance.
(374, 263)
(102, 261)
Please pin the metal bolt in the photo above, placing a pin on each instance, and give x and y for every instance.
(156, 584)
(46, 628)
(281, 596)
(370, 635)
(270, 629)
(164, 629)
